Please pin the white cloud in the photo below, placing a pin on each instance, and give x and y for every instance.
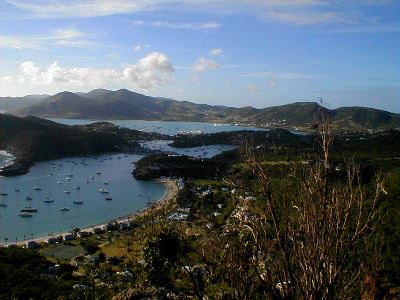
(292, 12)
(178, 25)
(149, 72)
(203, 64)
(216, 52)
(6, 79)
(139, 47)
(194, 77)
(280, 75)
(302, 18)
(55, 74)
(63, 37)
(252, 88)
(272, 83)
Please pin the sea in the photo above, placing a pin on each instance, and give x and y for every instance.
(69, 179)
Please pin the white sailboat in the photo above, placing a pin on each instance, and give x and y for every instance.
(64, 208)
(78, 200)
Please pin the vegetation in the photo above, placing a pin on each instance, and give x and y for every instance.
(124, 104)
(286, 217)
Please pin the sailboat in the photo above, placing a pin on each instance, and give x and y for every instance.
(29, 197)
(25, 214)
(78, 200)
(64, 208)
(2, 204)
(48, 199)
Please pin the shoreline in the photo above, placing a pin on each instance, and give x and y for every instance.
(9, 158)
(170, 193)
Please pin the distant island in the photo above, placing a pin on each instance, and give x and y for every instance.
(101, 104)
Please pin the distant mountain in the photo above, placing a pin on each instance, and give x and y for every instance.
(125, 104)
(14, 103)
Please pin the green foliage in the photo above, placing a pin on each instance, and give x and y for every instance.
(21, 276)
(161, 253)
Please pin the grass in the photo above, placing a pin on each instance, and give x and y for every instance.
(62, 251)
(206, 182)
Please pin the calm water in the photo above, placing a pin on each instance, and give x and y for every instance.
(129, 195)
(201, 152)
(170, 128)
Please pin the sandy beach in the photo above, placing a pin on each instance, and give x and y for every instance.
(170, 193)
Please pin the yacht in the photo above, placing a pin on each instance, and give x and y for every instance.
(64, 208)
(78, 200)
(103, 191)
(48, 200)
(25, 214)
(29, 209)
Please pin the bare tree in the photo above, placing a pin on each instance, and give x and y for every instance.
(306, 239)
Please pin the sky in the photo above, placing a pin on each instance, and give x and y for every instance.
(223, 52)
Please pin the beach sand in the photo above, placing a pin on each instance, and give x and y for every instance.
(170, 193)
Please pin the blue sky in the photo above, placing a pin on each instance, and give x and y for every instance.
(236, 53)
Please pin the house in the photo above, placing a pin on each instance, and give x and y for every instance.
(68, 237)
(52, 240)
(32, 245)
(124, 225)
(97, 230)
(84, 234)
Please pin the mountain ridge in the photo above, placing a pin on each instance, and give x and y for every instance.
(105, 104)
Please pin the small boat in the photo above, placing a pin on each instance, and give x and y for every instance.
(29, 209)
(64, 208)
(86, 181)
(48, 200)
(98, 173)
(103, 191)
(68, 178)
(36, 188)
(106, 183)
(3, 194)
(108, 198)
(91, 177)
(78, 201)
(67, 192)
(77, 187)
(59, 182)
(25, 214)
(15, 189)
(3, 204)
(28, 198)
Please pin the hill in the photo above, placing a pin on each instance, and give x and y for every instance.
(125, 104)
(32, 139)
(14, 103)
